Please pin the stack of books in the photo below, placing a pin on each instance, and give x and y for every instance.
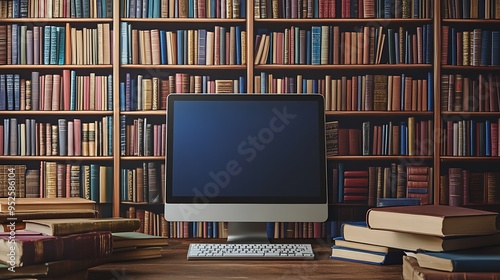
(135, 245)
(388, 233)
(55, 237)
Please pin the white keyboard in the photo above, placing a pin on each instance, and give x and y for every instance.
(250, 251)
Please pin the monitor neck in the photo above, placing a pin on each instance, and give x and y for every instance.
(247, 232)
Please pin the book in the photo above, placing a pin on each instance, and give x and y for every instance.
(27, 248)
(340, 241)
(389, 201)
(413, 271)
(137, 239)
(72, 226)
(359, 232)
(37, 204)
(365, 256)
(484, 259)
(48, 214)
(437, 220)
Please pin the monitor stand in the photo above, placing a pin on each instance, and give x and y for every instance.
(247, 232)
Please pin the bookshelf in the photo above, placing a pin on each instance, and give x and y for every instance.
(409, 59)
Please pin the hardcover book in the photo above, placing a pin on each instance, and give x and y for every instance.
(32, 248)
(72, 226)
(365, 256)
(37, 204)
(484, 259)
(413, 271)
(437, 220)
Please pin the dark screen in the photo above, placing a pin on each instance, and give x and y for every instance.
(246, 149)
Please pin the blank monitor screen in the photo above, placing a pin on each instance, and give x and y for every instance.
(245, 150)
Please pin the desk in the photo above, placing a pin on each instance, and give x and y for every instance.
(175, 266)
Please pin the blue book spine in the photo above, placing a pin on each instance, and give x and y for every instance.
(210, 230)
(316, 45)
(485, 48)
(94, 182)
(190, 8)
(453, 44)
(163, 47)
(315, 86)
(401, 94)
(122, 96)
(16, 8)
(242, 85)
(202, 39)
(124, 43)
(85, 8)
(3, 93)
(270, 230)
(54, 40)
(238, 44)
(243, 7)
(127, 92)
(61, 31)
(17, 92)
(340, 184)
(131, 9)
(180, 47)
(204, 84)
(6, 132)
(110, 135)
(123, 185)
(388, 9)
(145, 8)
(472, 137)
(63, 136)
(10, 92)
(223, 31)
(15, 43)
(99, 11)
(495, 48)
(78, 8)
(396, 48)
(133, 95)
(316, 8)
(110, 92)
(263, 82)
(308, 47)
(72, 91)
(487, 144)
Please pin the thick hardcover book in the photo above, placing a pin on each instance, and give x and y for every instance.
(437, 220)
(72, 226)
(413, 271)
(365, 256)
(32, 248)
(359, 232)
(485, 259)
(37, 204)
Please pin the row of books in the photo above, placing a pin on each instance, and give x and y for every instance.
(462, 186)
(142, 138)
(144, 183)
(471, 9)
(412, 138)
(66, 138)
(330, 45)
(395, 181)
(55, 45)
(59, 180)
(177, 83)
(477, 47)
(478, 93)
(224, 45)
(343, 9)
(56, 9)
(357, 93)
(471, 138)
(147, 93)
(53, 92)
(183, 9)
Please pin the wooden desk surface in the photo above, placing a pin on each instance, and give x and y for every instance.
(175, 266)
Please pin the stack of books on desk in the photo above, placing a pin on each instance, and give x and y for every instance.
(434, 228)
(57, 238)
(136, 245)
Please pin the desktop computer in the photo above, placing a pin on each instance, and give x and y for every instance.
(246, 159)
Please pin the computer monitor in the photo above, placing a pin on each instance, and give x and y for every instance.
(246, 159)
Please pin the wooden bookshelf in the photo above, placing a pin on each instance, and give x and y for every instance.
(249, 72)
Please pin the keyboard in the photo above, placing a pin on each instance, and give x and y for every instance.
(250, 251)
